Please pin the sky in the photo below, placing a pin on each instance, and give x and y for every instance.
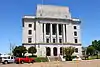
(12, 11)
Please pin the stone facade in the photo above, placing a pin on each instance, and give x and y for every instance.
(51, 29)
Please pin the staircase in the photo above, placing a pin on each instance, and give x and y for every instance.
(54, 58)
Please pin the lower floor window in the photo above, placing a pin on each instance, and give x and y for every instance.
(76, 50)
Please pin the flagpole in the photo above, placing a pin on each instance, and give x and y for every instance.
(42, 2)
(41, 6)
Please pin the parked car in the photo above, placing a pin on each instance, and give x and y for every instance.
(24, 60)
(5, 59)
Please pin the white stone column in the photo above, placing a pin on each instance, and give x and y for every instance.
(44, 33)
(57, 34)
(58, 51)
(51, 51)
(66, 34)
(37, 34)
(51, 33)
(41, 33)
(63, 33)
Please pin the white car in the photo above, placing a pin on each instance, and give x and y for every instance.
(5, 59)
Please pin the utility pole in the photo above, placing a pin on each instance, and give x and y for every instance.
(10, 48)
(41, 6)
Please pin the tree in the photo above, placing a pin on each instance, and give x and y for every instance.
(68, 51)
(32, 50)
(90, 50)
(19, 51)
(16, 51)
(23, 50)
(96, 44)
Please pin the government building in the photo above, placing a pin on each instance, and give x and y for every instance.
(51, 29)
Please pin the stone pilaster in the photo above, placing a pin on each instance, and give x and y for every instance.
(57, 34)
(44, 33)
(51, 33)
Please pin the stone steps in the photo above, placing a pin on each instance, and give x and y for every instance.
(54, 58)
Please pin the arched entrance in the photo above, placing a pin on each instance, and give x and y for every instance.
(61, 50)
(55, 51)
(48, 51)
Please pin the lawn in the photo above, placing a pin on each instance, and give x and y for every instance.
(93, 57)
(40, 59)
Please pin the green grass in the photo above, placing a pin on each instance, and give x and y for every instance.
(41, 59)
(93, 57)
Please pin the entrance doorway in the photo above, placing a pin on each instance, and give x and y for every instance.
(61, 50)
(55, 51)
(48, 51)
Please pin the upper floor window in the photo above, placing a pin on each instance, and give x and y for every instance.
(54, 30)
(29, 32)
(29, 40)
(75, 33)
(60, 29)
(40, 14)
(75, 27)
(30, 25)
(47, 29)
(76, 41)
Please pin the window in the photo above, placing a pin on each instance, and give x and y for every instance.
(54, 41)
(60, 29)
(75, 33)
(12, 57)
(65, 15)
(60, 40)
(40, 14)
(54, 30)
(47, 40)
(76, 50)
(29, 40)
(30, 32)
(30, 25)
(61, 50)
(47, 29)
(8, 57)
(76, 41)
(75, 27)
(4, 57)
(43, 28)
